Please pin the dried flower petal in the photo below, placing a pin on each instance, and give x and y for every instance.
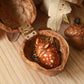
(78, 2)
(56, 9)
(72, 1)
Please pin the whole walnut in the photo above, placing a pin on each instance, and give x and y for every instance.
(75, 33)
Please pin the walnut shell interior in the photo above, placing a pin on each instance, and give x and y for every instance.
(27, 49)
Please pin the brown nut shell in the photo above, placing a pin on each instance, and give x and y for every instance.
(75, 30)
(37, 2)
(8, 29)
(75, 34)
(14, 13)
(64, 49)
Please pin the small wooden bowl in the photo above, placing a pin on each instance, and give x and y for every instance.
(26, 53)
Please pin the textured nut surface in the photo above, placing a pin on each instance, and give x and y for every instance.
(14, 13)
(75, 33)
(8, 29)
(64, 49)
(75, 30)
(37, 1)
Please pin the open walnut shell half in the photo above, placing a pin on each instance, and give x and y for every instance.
(14, 13)
(27, 51)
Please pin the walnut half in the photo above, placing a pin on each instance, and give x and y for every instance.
(27, 49)
(14, 13)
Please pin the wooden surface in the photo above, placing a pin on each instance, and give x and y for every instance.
(14, 71)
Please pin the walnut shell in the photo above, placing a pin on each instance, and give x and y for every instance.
(37, 2)
(8, 29)
(75, 34)
(26, 50)
(75, 30)
(14, 13)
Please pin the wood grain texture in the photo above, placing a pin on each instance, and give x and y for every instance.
(14, 71)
